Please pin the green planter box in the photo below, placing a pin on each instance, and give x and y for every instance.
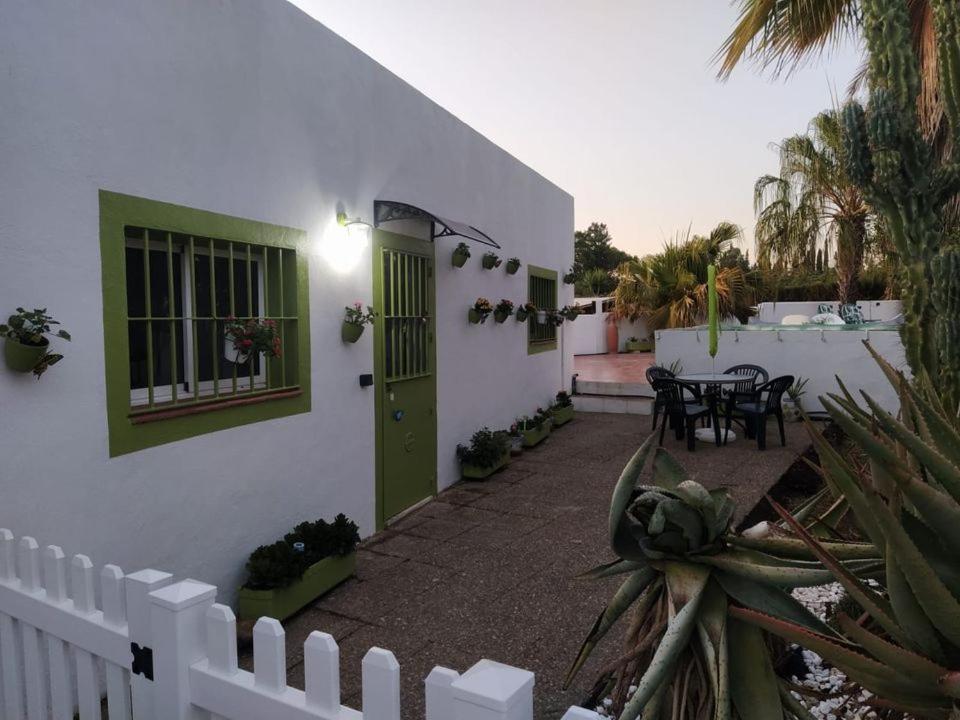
(281, 603)
(639, 346)
(561, 416)
(23, 358)
(475, 472)
(536, 436)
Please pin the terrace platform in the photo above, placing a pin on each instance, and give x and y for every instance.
(613, 383)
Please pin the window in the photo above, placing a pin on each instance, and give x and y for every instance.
(542, 292)
(171, 372)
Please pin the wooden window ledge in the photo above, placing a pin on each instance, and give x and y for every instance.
(167, 413)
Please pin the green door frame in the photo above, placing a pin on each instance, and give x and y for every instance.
(404, 243)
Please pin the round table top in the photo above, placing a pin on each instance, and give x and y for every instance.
(712, 378)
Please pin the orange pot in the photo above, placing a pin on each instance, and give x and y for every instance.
(613, 336)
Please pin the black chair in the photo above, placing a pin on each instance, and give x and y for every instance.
(756, 411)
(745, 391)
(684, 412)
(653, 373)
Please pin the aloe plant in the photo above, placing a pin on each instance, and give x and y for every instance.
(908, 651)
(684, 570)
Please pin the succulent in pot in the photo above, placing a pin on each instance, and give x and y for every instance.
(490, 261)
(503, 310)
(480, 310)
(525, 310)
(27, 348)
(461, 254)
(513, 264)
(245, 338)
(790, 405)
(355, 317)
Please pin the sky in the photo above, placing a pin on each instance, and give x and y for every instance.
(615, 101)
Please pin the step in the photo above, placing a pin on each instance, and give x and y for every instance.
(603, 387)
(613, 404)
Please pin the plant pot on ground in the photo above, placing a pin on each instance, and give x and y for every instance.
(489, 450)
(503, 310)
(293, 572)
(561, 410)
(479, 312)
(26, 347)
(636, 345)
(353, 321)
(461, 255)
(791, 405)
(534, 430)
(513, 264)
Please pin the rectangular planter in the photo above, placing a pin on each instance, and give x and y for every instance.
(561, 416)
(536, 436)
(639, 346)
(475, 472)
(281, 603)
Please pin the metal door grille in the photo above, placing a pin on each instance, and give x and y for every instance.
(407, 331)
(543, 294)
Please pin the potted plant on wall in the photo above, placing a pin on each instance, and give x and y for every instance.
(461, 254)
(26, 347)
(554, 317)
(244, 339)
(489, 450)
(513, 264)
(478, 313)
(569, 277)
(293, 572)
(569, 312)
(490, 261)
(790, 405)
(355, 317)
(561, 409)
(534, 430)
(525, 310)
(503, 310)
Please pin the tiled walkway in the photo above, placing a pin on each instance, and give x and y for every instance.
(487, 569)
(619, 368)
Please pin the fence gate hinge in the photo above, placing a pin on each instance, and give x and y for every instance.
(142, 661)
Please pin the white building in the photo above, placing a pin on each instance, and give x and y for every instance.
(207, 128)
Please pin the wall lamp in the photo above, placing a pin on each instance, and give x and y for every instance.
(356, 228)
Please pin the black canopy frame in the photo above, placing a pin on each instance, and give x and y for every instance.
(389, 210)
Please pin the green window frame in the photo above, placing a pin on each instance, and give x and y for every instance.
(172, 276)
(542, 292)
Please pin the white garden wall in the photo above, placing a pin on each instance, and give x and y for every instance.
(249, 109)
(588, 334)
(809, 353)
(774, 312)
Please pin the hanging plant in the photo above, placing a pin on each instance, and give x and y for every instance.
(570, 277)
(503, 310)
(461, 255)
(525, 311)
(491, 261)
(513, 264)
(26, 347)
(354, 319)
(569, 312)
(480, 310)
(244, 339)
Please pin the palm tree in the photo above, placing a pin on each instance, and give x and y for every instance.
(788, 224)
(827, 203)
(669, 289)
(595, 282)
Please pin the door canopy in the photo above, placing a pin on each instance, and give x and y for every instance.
(388, 210)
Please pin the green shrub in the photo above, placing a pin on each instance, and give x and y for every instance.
(486, 448)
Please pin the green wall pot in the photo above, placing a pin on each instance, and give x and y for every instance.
(475, 472)
(281, 603)
(512, 267)
(638, 346)
(500, 315)
(23, 358)
(561, 416)
(536, 436)
(489, 262)
(349, 332)
(460, 258)
(475, 316)
(522, 315)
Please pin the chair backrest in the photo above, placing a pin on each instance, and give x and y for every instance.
(670, 392)
(753, 375)
(775, 390)
(656, 372)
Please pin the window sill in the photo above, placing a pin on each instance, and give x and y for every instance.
(170, 412)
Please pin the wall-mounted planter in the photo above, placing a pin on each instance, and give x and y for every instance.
(23, 358)
(460, 258)
(522, 315)
(561, 416)
(500, 315)
(638, 346)
(512, 267)
(281, 603)
(490, 261)
(232, 354)
(475, 472)
(475, 316)
(541, 317)
(350, 332)
(536, 435)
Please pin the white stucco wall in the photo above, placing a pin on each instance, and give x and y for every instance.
(250, 109)
(774, 312)
(588, 334)
(807, 353)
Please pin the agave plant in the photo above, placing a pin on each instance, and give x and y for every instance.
(907, 651)
(685, 569)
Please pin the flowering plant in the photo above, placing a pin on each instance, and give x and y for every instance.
(355, 314)
(491, 260)
(483, 306)
(253, 336)
(569, 312)
(504, 306)
(554, 317)
(532, 423)
(562, 400)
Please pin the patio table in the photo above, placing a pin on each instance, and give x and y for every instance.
(712, 382)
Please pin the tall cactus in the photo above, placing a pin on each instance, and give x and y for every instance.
(887, 156)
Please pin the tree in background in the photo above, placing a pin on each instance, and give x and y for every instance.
(593, 250)
(669, 289)
(787, 224)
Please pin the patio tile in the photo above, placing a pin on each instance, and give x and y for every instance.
(441, 528)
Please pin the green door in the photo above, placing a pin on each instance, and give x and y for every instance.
(406, 384)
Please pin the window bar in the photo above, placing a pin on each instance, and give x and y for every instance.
(193, 321)
(394, 308)
(148, 307)
(408, 312)
(283, 322)
(233, 310)
(214, 344)
(173, 323)
(266, 312)
(251, 361)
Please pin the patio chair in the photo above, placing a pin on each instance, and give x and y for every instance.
(655, 372)
(684, 412)
(746, 391)
(756, 411)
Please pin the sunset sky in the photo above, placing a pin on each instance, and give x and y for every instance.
(616, 101)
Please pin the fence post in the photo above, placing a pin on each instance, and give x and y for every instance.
(493, 691)
(138, 587)
(177, 616)
(439, 693)
(381, 685)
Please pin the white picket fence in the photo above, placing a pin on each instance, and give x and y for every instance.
(157, 649)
